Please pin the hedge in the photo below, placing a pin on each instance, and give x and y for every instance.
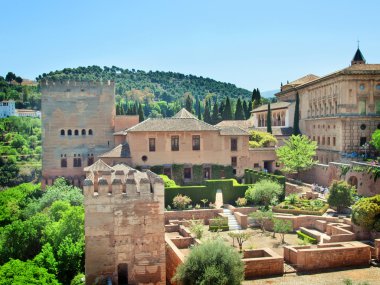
(207, 191)
(301, 212)
(307, 238)
(218, 228)
(218, 224)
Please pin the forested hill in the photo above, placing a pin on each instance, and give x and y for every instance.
(158, 85)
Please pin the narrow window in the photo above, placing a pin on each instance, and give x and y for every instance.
(362, 107)
(363, 140)
(207, 173)
(187, 173)
(152, 144)
(63, 161)
(90, 132)
(323, 140)
(328, 140)
(76, 132)
(234, 144)
(90, 159)
(175, 143)
(77, 161)
(319, 140)
(69, 133)
(233, 161)
(196, 142)
(62, 132)
(83, 132)
(334, 141)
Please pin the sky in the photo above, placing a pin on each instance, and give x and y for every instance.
(253, 44)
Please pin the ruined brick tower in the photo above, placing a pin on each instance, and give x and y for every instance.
(77, 126)
(124, 225)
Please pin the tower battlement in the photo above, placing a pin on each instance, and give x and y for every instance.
(124, 225)
(75, 83)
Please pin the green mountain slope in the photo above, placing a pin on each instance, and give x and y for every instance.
(157, 85)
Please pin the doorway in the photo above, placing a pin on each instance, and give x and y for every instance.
(122, 274)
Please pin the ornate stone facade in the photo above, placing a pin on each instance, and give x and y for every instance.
(339, 111)
(124, 225)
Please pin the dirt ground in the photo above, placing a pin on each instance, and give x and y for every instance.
(258, 240)
(370, 275)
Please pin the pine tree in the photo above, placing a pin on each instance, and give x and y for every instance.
(239, 112)
(215, 118)
(189, 104)
(141, 113)
(227, 112)
(206, 114)
(296, 124)
(199, 111)
(269, 120)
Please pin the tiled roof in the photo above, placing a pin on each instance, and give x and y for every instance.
(273, 106)
(232, 131)
(304, 79)
(99, 165)
(184, 114)
(243, 124)
(288, 131)
(172, 125)
(122, 150)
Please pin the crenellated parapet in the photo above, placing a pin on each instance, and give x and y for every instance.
(103, 180)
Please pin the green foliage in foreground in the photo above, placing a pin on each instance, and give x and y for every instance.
(261, 139)
(212, 262)
(264, 192)
(297, 154)
(341, 195)
(366, 213)
(306, 238)
(376, 139)
(45, 235)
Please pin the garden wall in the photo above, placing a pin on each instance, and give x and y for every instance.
(328, 256)
(262, 262)
(199, 214)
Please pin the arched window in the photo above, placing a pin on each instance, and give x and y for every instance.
(90, 132)
(62, 132)
(76, 132)
(83, 132)
(69, 133)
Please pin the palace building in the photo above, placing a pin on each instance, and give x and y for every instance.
(339, 111)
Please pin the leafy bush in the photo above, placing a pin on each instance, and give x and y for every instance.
(341, 195)
(241, 202)
(212, 262)
(264, 192)
(282, 227)
(180, 202)
(167, 181)
(292, 199)
(366, 212)
(196, 227)
(262, 217)
(261, 139)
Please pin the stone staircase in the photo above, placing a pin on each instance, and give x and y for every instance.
(232, 222)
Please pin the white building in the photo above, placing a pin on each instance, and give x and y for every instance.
(7, 109)
(28, 113)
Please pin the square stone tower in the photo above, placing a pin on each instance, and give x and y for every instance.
(77, 126)
(124, 225)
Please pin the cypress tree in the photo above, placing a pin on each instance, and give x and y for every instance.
(117, 109)
(227, 112)
(249, 109)
(258, 97)
(245, 109)
(189, 104)
(239, 112)
(197, 105)
(199, 113)
(206, 114)
(296, 124)
(221, 108)
(269, 120)
(141, 113)
(215, 118)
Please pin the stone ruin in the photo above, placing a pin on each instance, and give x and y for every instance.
(124, 225)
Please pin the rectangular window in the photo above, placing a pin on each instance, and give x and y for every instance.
(196, 142)
(77, 162)
(334, 141)
(90, 161)
(363, 140)
(152, 144)
(323, 140)
(187, 173)
(233, 161)
(362, 107)
(313, 138)
(207, 173)
(234, 144)
(175, 143)
(328, 140)
(377, 107)
(63, 162)
(256, 165)
(319, 140)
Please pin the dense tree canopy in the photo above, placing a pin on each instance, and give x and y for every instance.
(341, 195)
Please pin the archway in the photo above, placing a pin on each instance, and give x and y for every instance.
(353, 181)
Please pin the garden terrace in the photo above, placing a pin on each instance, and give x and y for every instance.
(262, 262)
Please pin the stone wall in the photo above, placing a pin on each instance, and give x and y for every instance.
(262, 262)
(124, 225)
(199, 214)
(328, 256)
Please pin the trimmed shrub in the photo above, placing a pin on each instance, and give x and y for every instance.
(366, 212)
(264, 192)
(307, 238)
(167, 181)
